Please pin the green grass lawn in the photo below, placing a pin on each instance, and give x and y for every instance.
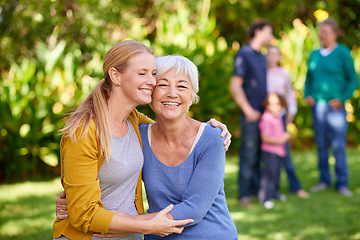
(27, 209)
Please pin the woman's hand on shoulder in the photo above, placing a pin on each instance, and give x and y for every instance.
(225, 132)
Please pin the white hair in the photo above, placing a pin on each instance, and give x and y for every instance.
(179, 64)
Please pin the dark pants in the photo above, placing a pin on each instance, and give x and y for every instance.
(270, 176)
(249, 172)
(330, 128)
(294, 183)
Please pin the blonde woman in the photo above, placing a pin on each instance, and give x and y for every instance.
(105, 126)
(101, 194)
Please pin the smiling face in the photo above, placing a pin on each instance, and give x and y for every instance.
(138, 80)
(172, 95)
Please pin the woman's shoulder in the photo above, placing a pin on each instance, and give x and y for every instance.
(212, 134)
(210, 140)
(90, 129)
(82, 133)
(92, 125)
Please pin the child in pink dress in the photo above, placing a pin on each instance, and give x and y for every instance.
(278, 81)
(273, 139)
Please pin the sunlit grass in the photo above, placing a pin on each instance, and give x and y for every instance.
(27, 209)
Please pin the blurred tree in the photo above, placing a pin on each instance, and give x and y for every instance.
(235, 16)
(93, 24)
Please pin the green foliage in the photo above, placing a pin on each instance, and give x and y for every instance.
(34, 97)
(234, 16)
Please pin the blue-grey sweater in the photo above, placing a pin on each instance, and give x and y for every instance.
(195, 187)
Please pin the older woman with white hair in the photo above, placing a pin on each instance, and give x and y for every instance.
(184, 159)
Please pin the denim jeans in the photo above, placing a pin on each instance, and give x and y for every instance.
(249, 172)
(270, 176)
(294, 183)
(330, 128)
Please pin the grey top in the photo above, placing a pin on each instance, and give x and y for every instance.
(119, 177)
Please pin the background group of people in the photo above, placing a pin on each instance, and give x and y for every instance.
(262, 90)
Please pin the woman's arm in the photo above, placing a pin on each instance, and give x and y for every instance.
(154, 223)
(142, 217)
(62, 212)
(160, 224)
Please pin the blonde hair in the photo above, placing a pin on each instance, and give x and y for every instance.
(95, 105)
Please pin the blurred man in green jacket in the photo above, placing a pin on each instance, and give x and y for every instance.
(331, 80)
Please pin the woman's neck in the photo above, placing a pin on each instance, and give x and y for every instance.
(119, 112)
(173, 131)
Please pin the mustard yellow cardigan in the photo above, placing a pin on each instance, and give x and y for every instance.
(80, 164)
